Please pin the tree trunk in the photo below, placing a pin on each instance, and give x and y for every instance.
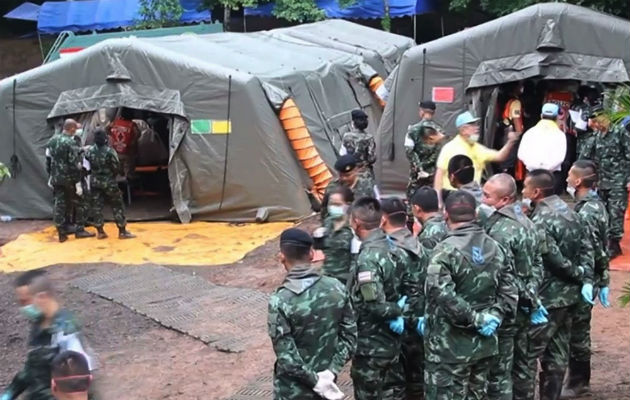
(386, 23)
(227, 11)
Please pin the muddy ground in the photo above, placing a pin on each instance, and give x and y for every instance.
(142, 360)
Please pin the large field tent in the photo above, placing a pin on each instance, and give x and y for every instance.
(463, 70)
(254, 122)
(381, 50)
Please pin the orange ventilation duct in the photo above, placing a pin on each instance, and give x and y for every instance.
(301, 142)
(377, 87)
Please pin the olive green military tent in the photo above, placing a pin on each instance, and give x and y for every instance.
(234, 146)
(463, 70)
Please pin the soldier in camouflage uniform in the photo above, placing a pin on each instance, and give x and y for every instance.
(360, 143)
(426, 210)
(335, 237)
(375, 290)
(423, 142)
(468, 292)
(511, 228)
(104, 167)
(567, 275)
(581, 182)
(53, 329)
(65, 177)
(610, 150)
(350, 176)
(408, 377)
(311, 324)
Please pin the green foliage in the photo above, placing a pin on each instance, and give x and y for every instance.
(4, 172)
(624, 299)
(346, 3)
(617, 103)
(503, 7)
(159, 13)
(386, 23)
(231, 4)
(298, 10)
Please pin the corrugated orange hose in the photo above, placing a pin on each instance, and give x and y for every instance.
(375, 85)
(302, 144)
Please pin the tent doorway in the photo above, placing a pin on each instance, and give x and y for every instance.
(145, 127)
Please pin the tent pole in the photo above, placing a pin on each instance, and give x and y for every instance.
(414, 28)
(41, 47)
(442, 24)
(424, 64)
(227, 140)
(244, 22)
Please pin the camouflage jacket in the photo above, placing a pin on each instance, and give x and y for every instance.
(104, 165)
(360, 144)
(44, 344)
(474, 188)
(413, 275)
(434, 230)
(375, 289)
(611, 153)
(593, 213)
(421, 156)
(518, 236)
(363, 187)
(312, 328)
(566, 250)
(65, 160)
(465, 278)
(338, 262)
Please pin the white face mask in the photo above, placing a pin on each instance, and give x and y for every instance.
(336, 211)
(473, 138)
(571, 191)
(79, 132)
(527, 202)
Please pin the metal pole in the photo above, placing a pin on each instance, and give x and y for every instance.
(244, 22)
(424, 64)
(442, 24)
(415, 29)
(227, 140)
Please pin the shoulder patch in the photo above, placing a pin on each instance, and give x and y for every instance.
(365, 277)
(477, 255)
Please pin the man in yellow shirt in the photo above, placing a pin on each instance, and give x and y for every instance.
(465, 142)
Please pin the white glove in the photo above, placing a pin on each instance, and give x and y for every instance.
(326, 374)
(326, 388)
(79, 189)
(50, 185)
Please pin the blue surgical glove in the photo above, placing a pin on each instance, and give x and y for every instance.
(401, 303)
(587, 293)
(421, 326)
(539, 316)
(7, 395)
(489, 325)
(603, 296)
(397, 325)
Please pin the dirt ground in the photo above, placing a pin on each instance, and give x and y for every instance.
(140, 359)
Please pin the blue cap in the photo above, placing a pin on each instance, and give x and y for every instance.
(464, 119)
(550, 110)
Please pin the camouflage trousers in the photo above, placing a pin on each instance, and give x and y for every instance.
(550, 343)
(406, 378)
(112, 194)
(616, 201)
(369, 377)
(580, 346)
(461, 381)
(520, 363)
(500, 372)
(65, 199)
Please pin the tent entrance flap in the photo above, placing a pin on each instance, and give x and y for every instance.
(140, 97)
(549, 65)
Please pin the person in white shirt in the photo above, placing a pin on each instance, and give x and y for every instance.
(544, 146)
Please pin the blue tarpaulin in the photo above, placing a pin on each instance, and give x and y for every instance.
(26, 11)
(362, 8)
(97, 15)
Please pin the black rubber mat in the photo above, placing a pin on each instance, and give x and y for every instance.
(262, 387)
(229, 319)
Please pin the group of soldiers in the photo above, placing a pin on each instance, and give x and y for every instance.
(461, 300)
(82, 180)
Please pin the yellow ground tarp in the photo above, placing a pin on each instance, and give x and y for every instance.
(198, 243)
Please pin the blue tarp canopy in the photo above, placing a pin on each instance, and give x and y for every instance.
(97, 15)
(27, 12)
(362, 8)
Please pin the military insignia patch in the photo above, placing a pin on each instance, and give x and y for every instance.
(477, 255)
(365, 277)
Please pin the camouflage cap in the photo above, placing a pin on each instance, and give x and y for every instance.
(346, 163)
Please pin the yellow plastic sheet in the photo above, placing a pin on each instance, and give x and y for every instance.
(198, 243)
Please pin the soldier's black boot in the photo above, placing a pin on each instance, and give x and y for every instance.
(550, 385)
(100, 233)
(62, 236)
(613, 248)
(579, 379)
(82, 233)
(125, 234)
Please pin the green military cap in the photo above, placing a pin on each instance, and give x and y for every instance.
(346, 163)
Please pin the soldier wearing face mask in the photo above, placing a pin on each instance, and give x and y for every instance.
(53, 330)
(465, 142)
